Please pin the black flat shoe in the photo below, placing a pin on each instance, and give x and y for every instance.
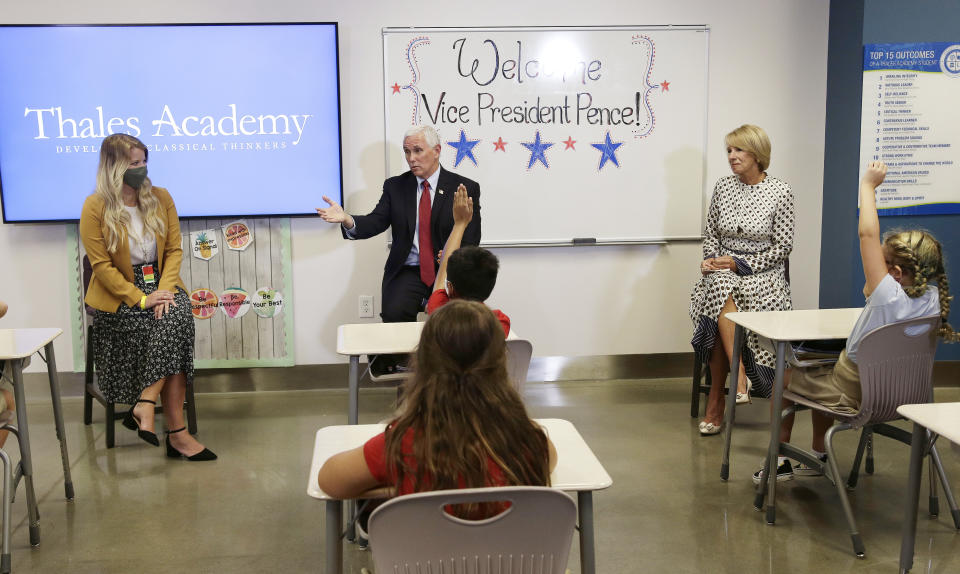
(132, 423)
(205, 454)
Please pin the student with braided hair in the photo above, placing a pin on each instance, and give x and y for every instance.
(905, 279)
(919, 254)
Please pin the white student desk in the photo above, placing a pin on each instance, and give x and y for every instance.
(17, 345)
(577, 470)
(941, 419)
(781, 327)
(375, 339)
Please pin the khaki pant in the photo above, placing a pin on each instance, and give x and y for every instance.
(836, 386)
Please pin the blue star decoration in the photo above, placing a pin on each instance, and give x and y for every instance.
(536, 151)
(608, 151)
(464, 149)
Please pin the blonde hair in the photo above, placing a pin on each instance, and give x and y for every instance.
(920, 255)
(751, 139)
(114, 160)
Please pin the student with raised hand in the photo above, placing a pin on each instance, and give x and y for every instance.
(904, 279)
(463, 424)
(465, 273)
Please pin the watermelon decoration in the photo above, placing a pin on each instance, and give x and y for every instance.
(235, 302)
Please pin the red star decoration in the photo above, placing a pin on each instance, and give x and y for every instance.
(396, 88)
(665, 86)
(569, 142)
(500, 145)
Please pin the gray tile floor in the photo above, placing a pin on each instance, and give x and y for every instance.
(667, 511)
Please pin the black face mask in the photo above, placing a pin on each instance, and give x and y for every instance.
(134, 176)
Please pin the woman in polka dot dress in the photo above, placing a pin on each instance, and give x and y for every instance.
(747, 239)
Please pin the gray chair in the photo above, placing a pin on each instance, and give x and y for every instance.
(895, 363)
(8, 423)
(519, 353)
(414, 533)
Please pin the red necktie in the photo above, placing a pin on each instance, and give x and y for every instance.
(428, 272)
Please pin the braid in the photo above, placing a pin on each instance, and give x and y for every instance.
(921, 278)
(920, 256)
(946, 332)
(904, 256)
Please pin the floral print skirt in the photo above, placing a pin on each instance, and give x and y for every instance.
(132, 349)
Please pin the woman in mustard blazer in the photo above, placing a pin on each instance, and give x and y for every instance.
(143, 329)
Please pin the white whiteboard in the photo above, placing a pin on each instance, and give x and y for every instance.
(623, 110)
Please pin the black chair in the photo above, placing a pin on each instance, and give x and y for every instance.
(698, 387)
(91, 391)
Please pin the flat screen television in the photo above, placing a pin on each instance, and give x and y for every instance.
(238, 119)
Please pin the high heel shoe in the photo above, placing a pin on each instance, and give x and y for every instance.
(205, 454)
(709, 429)
(132, 423)
(743, 398)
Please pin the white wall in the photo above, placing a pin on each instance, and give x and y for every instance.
(767, 66)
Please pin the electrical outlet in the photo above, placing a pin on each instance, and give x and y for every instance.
(366, 306)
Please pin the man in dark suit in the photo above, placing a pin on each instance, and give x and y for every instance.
(425, 193)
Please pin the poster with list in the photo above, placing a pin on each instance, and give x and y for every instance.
(909, 121)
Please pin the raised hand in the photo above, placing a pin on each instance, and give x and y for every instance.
(462, 206)
(876, 172)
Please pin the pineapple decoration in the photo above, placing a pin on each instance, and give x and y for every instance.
(204, 244)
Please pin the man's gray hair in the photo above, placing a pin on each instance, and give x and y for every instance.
(429, 134)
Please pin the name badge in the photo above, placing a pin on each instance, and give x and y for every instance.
(148, 276)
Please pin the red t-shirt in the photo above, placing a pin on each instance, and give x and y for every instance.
(374, 452)
(440, 298)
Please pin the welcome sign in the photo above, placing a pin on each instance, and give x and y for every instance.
(554, 122)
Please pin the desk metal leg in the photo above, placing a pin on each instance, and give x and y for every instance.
(26, 459)
(730, 413)
(908, 532)
(58, 420)
(351, 533)
(352, 418)
(354, 387)
(775, 415)
(333, 560)
(588, 559)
